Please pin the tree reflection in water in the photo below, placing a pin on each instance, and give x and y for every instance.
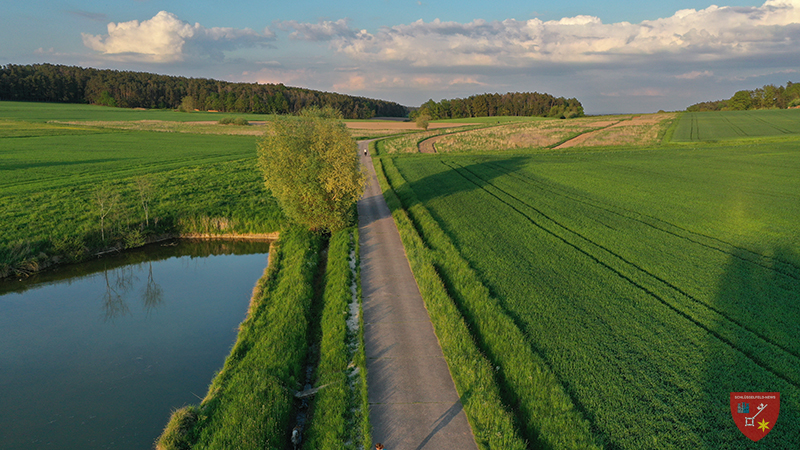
(113, 304)
(153, 295)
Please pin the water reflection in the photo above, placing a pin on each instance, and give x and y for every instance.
(113, 303)
(97, 355)
(153, 295)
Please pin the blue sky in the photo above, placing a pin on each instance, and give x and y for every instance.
(619, 56)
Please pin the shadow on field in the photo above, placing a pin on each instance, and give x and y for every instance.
(453, 175)
(764, 298)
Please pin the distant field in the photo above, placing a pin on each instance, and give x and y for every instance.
(652, 282)
(43, 112)
(720, 125)
(50, 173)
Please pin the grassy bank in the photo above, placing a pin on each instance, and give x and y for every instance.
(250, 402)
(473, 374)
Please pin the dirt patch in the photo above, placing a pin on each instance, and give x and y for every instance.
(581, 139)
(400, 125)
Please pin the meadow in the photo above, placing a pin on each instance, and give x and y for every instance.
(621, 293)
(533, 133)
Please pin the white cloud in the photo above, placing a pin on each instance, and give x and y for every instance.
(166, 38)
(711, 33)
(324, 30)
(695, 74)
(364, 82)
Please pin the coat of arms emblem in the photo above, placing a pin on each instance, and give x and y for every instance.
(755, 413)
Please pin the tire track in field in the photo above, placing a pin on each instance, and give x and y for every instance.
(753, 356)
(736, 129)
(665, 282)
(795, 273)
(772, 125)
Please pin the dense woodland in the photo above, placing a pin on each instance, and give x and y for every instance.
(510, 104)
(766, 97)
(68, 84)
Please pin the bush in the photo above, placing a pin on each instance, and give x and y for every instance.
(233, 121)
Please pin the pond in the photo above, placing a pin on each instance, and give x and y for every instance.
(97, 355)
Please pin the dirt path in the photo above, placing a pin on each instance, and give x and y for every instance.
(581, 138)
(413, 401)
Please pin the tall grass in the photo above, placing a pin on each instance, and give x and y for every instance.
(250, 402)
(339, 413)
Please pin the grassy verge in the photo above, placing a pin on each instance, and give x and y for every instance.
(544, 411)
(340, 415)
(250, 402)
(473, 374)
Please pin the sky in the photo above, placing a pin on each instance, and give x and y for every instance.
(619, 56)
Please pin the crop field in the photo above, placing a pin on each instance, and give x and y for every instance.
(720, 125)
(648, 284)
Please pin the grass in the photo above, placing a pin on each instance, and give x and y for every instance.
(43, 112)
(726, 125)
(650, 283)
(490, 120)
(340, 414)
(51, 173)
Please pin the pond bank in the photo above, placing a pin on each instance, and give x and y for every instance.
(252, 403)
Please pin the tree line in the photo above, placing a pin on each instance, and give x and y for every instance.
(766, 97)
(70, 84)
(510, 104)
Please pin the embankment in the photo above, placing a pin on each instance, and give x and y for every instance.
(252, 402)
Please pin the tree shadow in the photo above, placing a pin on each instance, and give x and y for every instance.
(761, 351)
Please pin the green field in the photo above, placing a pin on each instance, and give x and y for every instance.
(651, 282)
(722, 125)
(50, 173)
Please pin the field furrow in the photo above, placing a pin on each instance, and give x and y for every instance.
(779, 360)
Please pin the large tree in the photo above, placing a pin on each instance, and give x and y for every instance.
(311, 166)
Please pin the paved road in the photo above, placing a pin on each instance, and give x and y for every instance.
(413, 402)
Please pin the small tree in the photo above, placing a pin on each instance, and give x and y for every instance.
(146, 188)
(105, 200)
(423, 120)
(187, 104)
(312, 168)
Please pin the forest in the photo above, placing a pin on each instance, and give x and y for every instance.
(509, 104)
(70, 84)
(765, 97)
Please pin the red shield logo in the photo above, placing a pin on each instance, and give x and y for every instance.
(755, 413)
